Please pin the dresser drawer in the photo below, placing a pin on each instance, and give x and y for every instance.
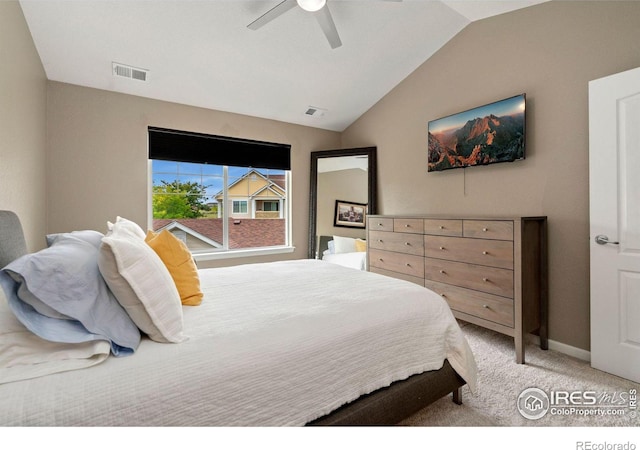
(408, 243)
(408, 226)
(443, 227)
(488, 229)
(397, 262)
(480, 278)
(476, 251)
(380, 223)
(479, 304)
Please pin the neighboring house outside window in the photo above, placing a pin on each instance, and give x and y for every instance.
(252, 191)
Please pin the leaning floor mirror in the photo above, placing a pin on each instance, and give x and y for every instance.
(342, 193)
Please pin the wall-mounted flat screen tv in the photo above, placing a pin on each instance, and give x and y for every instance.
(484, 135)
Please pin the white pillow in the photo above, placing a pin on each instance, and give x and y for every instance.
(127, 225)
(344, 244)
(141, 283)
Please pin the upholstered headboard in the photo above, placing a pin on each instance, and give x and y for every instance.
(323, 244)
(12, 243)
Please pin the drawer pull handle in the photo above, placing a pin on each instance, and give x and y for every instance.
(485, 253)
(407, 226)
(442, 271)
(486, 306)
(408, 265)
(443, 295)
(380, 240)
(441, 248)
(380, 259)
(485, 229)
(407, 243)
(486, 280)
(380, 225)
(441, 227)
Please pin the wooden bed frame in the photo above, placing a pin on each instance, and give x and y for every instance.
(390, 405)
(386, 406)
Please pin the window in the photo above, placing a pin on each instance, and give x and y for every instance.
(239, 206)
(271, 206)
(194, 176)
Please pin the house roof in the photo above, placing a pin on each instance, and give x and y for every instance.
(279, 180)
(175, 224)
(243, 233)
(201, 53)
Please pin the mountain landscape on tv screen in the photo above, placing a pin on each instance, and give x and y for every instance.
(480, 141)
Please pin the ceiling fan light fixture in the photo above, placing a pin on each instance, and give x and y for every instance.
(311, 5)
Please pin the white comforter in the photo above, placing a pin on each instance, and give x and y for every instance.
(272, 344)
(355, 260)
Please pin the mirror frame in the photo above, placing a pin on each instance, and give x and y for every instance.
(370, 152)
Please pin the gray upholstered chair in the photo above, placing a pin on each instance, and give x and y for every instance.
(12, 243)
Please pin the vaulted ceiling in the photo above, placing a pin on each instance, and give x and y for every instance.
(201, 53)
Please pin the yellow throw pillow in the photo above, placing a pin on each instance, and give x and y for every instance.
(361, 246)
(177, 258)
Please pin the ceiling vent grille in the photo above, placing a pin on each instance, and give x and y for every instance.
(122, 70)
(315, 112)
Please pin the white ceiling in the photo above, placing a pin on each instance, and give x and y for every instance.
(201, 53)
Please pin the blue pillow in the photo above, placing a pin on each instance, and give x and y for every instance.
(90, 236)
(59, 294)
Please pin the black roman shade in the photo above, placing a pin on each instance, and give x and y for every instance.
(173, 145)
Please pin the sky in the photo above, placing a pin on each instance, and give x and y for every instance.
(208, 175)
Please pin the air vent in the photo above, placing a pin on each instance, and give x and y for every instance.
(315, 112)
(122, 70)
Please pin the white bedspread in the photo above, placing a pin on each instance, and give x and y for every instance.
(272, 344)
(24, 355)
(355, 260)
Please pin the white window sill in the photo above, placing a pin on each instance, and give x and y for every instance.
(242, 253)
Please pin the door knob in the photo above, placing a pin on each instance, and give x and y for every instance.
(602, 239)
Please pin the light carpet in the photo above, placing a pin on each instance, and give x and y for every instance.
(501, 380)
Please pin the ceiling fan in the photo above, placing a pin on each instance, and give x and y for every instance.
(319, 8)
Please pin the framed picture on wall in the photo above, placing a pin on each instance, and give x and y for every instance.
(350, 214)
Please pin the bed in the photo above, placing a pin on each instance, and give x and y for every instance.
(302, 343)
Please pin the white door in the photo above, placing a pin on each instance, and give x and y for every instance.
(614, 188)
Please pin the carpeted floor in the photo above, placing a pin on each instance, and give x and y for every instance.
(501, 380)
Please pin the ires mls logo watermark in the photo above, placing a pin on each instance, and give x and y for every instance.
(534, 403)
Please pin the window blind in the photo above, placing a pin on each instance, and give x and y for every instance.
(174, 145)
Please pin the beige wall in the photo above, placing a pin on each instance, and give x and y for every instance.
(550, 52)
(22, 125)
(97, 156)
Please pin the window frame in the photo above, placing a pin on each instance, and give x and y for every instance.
(288, 247)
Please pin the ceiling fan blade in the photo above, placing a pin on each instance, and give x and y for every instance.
(328, 26)
(272, 14)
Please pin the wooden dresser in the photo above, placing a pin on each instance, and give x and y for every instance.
(491, 271)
